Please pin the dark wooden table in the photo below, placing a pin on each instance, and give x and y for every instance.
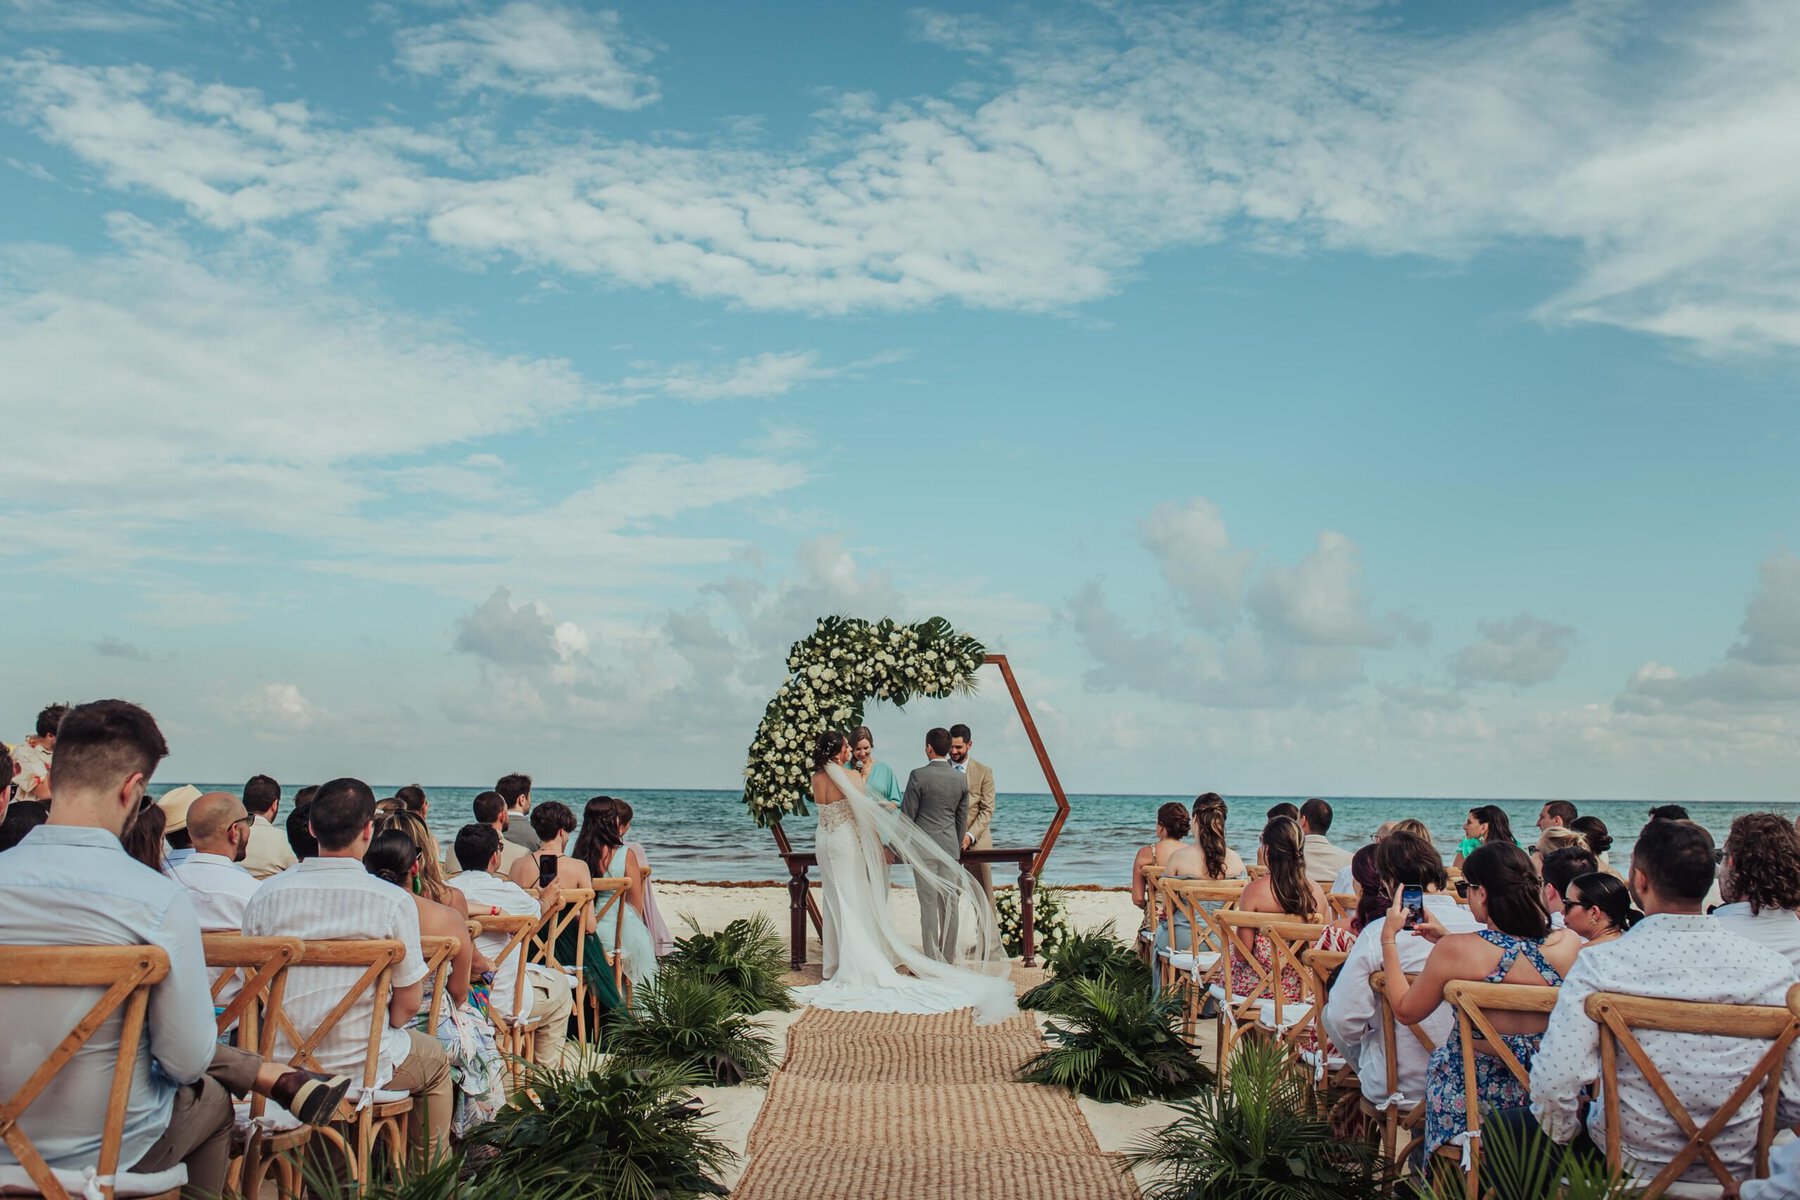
(800, 901)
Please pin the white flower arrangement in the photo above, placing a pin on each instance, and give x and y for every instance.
(841, 666)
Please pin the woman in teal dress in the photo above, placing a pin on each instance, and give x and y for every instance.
(1485, 823)
(601, 846)
(878, 778)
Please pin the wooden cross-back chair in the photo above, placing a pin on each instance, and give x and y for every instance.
(1400, 1116)
(125, 974)
(582, 907)
(366, 1119)
(1621, 1018)
(1193, 963)
(1259, 1005)
(440, 957)
(1146, 943)
(1472, 1002)
(258, 967)
(1331, 1070)
(516, 1038)
(1341, 904)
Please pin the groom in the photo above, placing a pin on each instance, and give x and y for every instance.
(937, 801)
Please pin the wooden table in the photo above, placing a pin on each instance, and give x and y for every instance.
(800, 901)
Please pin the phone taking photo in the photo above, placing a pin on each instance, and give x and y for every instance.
(1412, 899)
(546, 870)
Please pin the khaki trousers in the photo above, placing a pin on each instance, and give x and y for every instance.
(552, 1000)
(426, 1074)
(199, 1132)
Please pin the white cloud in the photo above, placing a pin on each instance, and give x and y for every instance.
(1198, 560)
(542, 49)
(279, 709)
(760, 375)
(1760, 672)
(1319, 601)
(1523, 650)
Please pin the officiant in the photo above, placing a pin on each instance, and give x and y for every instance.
(878, 777)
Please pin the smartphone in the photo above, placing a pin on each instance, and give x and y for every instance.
(1412, 899)
(546, 870)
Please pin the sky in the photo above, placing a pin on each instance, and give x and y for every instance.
(1318, 397)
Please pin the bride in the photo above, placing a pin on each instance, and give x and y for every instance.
(863, 950)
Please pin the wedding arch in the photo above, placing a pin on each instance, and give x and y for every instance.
(832, 674)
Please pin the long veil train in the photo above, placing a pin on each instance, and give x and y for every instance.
(860, 931)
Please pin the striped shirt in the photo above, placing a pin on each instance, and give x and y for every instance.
(335, 899)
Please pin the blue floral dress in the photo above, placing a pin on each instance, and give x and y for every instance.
(1495, 1085)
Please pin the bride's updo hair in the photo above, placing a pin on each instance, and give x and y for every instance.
(827, 747)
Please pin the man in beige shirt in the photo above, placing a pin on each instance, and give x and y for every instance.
(268, 853)
(1323, 860)
(979, 835)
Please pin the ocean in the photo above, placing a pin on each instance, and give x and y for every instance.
(707, 836)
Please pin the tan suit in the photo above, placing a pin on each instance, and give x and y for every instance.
(981, 818)
(268, 853)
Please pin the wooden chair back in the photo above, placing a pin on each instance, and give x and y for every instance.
(1472, 1002)
(440, 957)
(1340, 904)
(127, 973)
(1400, 1113)
(1198, 902)
(260, 966)
(1241, 1011)
(1319, 966)
(377, 960)
(1146, 946)
(1621, 1018)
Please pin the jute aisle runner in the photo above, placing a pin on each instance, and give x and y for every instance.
(925, 1108)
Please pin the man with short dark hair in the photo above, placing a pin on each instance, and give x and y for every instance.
(299, 828)
(1676, 952)
(1760, 883)
(71, 883)
(515, 789)
(412, 799)
(1323, 860)
(268, 853)
(1556, 812)
(491, 810)
(332, 898)
(1669, 812)
(547, 997)
(30, 773)
(1560, 869)
(979, 835)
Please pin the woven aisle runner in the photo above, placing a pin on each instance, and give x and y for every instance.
(881, 1104)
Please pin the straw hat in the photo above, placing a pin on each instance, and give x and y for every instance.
(175, 804)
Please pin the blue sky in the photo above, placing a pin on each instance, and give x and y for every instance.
(1343, 398)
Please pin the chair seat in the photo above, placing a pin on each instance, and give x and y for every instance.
(15, 1182)
(1195, 964)
(1333, 1061)
(275, 1119)
(379, 1096)
(1291, 1014)
(1146, 935)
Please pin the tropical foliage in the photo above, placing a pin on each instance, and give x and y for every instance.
(680, 1020)
(1091, 954)
(832, 674)
(1118, 1042)
(1517, 1166)
(1050, 914)
(1259, 1139)
(743, 961)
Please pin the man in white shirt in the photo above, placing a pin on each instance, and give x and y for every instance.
(218, 887)
(1323, 860)
(268, 853)
(332, 898)
(1760, 883)
(515, 789)
(547, 993)
(1676, 952)
(491, 810)
(1344, 883)
(1352, 1012)
(1559, 869)
(70, 883)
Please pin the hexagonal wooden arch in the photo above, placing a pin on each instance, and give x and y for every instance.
(1030, 859)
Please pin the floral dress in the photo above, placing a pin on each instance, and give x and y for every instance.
(1495, 1086)
(475, 1062)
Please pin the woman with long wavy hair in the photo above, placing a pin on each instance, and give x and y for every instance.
(1485, 823)
(1206, 858)
(1284, 891)
(601, 845)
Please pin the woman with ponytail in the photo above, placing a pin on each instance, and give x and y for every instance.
(1598, 907)
(1207, 858)
(1284, 891)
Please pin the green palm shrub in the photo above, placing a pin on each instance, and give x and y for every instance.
(1259, 1139)
(683, 1021)
(745, 960)
(613, 1133)
(1524, 1167)
(1094, 954)
(1122, 1042)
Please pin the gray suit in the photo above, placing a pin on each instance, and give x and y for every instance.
(937, 801)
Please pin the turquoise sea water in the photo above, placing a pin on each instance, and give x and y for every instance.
(707, 835)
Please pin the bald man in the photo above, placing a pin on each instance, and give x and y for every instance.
(219, 827)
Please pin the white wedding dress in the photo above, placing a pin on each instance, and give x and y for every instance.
(864, 951)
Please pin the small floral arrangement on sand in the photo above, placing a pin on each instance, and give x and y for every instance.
(832, 674)
(1050, 912)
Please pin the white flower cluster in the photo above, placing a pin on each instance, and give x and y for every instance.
(841, 666)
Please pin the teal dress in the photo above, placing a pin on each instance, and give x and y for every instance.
(883, 785)
(634, 937)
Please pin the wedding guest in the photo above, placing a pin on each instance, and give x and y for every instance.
(269, 852)
(491, 810)
(1760, 883)
(466, 1036)
(653, 918)
(175, 804)
(979, 833)
(1284, 809)
(30, 772)
(1598, 909)
(1344, 882)
(1208, 859)
(1669, 812)
(299, 828)
(412, 798)
(1560, 868)
(1556, 837)
(551, 825)
(1323, 860)
(547, 994)
(878, 778)
(1285, 890)
(1593, 831)
(1485, 823)
(1371, 901)
(1352, 1012)
(23, 816)
(1556, 812)
(601, 848)
(143, 839)
(1518, 946)
(430, 875)
(1675, 953)
(515, 789)
(1171, 837)
(218, 886)
(332, 898)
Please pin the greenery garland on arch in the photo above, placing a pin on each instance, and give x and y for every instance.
(842, 665)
